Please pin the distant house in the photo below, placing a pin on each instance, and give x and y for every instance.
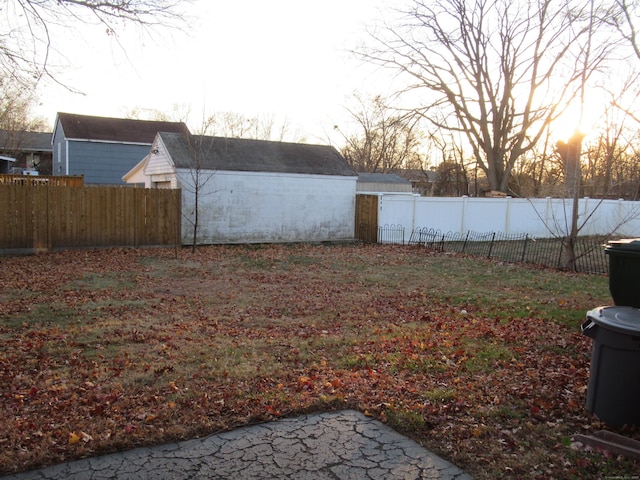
(27, 152)
(6, 164)
(382, 183)
(422, 181)
(103, 149)
(253, 191)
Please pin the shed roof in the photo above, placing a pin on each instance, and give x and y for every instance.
(382, 178)
(124, 130)
(245, 155)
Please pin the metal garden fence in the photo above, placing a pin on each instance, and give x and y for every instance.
(393, 234)
(549, 252)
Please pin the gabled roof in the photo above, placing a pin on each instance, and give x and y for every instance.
(25, 141)
(237, 154)
(122, 130)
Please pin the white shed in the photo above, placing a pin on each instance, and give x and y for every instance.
(253, 191)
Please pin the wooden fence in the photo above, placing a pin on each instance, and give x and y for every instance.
(70, 181)
(46, 217)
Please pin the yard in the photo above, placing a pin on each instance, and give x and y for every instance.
(480, 361)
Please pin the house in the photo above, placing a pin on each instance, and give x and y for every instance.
(30, 152)
(253, 191)
(6, 164)
(103, 149)
(422, 181)
(382, 183)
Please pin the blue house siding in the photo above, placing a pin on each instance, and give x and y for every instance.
(104, 163)
(103, 149)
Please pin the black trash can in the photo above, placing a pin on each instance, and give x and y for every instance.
(614, 383)
(624, 271)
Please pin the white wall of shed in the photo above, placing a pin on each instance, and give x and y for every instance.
(251, 207)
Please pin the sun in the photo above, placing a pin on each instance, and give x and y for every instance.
(576, 120)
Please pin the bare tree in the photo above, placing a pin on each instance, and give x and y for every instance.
(202, 154)
(624, 15)
(610, 161)
(200, 177)
(200, 149)
(451, 181)
(225, 124)
(16, 104)
(16, 124)
(570, 152)
(604, 166)
(538, 172)
(503, 70)
(452, 171)
(258, 127)
(384, 139)
(179, 113)
(27, 34)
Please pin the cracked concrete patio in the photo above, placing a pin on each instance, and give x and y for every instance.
(338, 445)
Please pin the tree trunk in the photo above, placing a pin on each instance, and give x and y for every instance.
(195, 213)
(570, 152)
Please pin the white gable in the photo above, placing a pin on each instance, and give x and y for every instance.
(158, 161)
(156, 170)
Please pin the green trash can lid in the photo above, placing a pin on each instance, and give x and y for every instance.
(620, 319)
(630, 245)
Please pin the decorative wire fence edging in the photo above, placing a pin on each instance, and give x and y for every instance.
(521, 248)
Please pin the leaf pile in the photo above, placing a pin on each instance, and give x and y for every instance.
(481, 362)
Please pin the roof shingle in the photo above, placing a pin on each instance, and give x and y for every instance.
(239, 154)
(25, 141)
(124, 130)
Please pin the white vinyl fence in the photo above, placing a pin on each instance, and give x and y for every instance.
(537, 217)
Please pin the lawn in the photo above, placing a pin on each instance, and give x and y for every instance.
(482, 362)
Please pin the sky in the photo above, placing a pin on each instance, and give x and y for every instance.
(286, 59)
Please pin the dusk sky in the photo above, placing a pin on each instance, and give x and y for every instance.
(286, 58)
